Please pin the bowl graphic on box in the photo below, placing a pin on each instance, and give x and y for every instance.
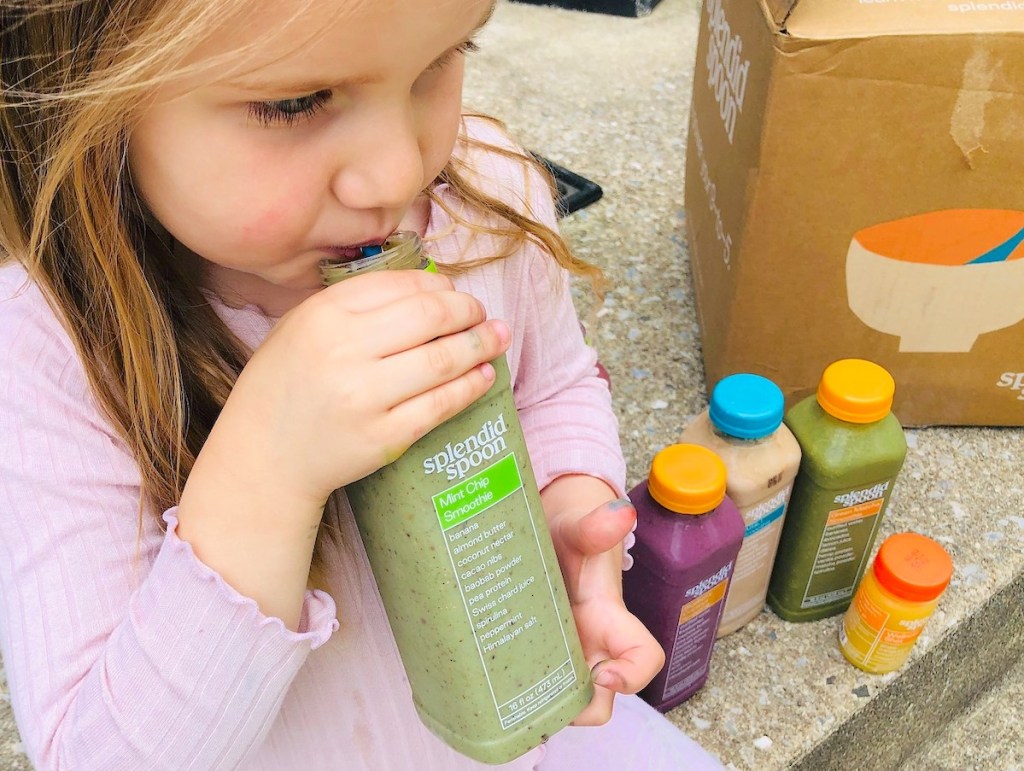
(940, 279)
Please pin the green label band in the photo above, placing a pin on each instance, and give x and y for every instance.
(477, 493)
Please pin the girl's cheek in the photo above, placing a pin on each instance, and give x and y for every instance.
(265, 226)
(270, 217)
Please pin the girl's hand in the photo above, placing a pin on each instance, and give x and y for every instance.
(345, 382)
(622, 654)
(352, 376)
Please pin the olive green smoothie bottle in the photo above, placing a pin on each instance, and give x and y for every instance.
(852, 449)
(458, 543)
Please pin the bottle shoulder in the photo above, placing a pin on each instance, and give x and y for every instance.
(674, 546)
(755, 468)
(836, 452)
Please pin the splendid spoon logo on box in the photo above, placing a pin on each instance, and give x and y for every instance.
(727, 68)
(939, 280)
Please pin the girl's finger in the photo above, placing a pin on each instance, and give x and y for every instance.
(411, 321)
(599, 710)
(405, 375)
(369, 291)
(602, 529)
(413, 418)
(638, 657)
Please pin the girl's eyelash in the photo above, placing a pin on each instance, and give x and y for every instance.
(465, 47)
(288, 111)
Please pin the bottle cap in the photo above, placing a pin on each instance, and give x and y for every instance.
(856, 391)
(687, 479)
(913, 567)
(746, 406)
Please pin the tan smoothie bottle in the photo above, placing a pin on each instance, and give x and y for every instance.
(743, 426)
(456, 536)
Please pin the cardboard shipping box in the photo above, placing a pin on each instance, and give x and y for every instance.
(855, 188)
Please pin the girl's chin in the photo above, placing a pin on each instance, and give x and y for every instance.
(275, 294)
(303, 279)
(308, 283)
(293, 292)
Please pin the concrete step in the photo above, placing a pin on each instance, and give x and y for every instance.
(915, 709)
(988, 736)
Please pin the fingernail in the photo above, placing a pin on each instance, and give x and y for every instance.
(620, 503)
(603, 676)
(502, 331)
(487, 370)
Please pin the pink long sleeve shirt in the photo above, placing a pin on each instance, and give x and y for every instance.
(124, 651)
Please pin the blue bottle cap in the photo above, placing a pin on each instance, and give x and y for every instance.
(746, 406)
(371, 251)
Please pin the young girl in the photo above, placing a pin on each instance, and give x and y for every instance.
(180, 401)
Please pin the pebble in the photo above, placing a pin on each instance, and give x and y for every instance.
(974, 574)
(763, 743)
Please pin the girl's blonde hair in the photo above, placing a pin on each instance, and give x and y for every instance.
(161, 363)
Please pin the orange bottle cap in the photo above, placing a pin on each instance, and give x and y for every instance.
(856, 391)
(687, 479)
(913, 567)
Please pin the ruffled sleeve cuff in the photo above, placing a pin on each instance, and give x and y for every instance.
(195, 584)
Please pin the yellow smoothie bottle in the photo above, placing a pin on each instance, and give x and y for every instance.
(894, 602)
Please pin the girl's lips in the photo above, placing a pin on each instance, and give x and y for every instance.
(351, 252)
(343, 252)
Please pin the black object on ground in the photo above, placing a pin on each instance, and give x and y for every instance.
(574, 191)
(614, 7)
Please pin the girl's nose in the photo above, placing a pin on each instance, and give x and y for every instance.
(385, 168)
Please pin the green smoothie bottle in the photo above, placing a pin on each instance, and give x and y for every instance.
(458, 543)
(852, 448)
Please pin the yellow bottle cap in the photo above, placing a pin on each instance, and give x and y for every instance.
(856, 391)
(687, 479)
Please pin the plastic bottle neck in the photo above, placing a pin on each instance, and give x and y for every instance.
(737, 439)
(402, 250)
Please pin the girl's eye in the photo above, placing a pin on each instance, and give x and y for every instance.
(465, 47)
(287, 111)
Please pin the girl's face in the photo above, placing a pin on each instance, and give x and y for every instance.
(320, 141)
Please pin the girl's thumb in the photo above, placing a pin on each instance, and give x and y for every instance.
(604, 528)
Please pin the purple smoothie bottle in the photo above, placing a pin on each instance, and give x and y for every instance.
(688, 534)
